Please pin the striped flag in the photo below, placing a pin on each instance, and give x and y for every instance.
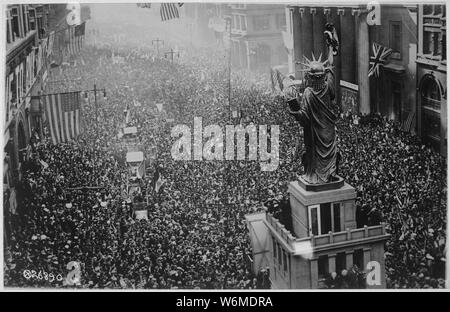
(69, 41)
(75, 35)
(63, 112)
(169, 11)
(79, 34)
(380, 55)
(51, 40)
(127, 114)
(276, 78)
(158, 181)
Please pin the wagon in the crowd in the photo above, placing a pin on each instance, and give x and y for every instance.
(136, 165)
(130, 138)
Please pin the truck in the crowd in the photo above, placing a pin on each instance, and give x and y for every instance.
(136, 164)
(136, 172)
(130, 138)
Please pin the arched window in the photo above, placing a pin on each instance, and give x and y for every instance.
(427, 9)
(431, 107)
(431, 94)
(263, 55)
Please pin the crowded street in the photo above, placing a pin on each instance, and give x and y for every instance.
(74, 203)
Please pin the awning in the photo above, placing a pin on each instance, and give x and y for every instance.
(135, 157)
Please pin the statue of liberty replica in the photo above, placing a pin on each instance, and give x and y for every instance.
(314, 111)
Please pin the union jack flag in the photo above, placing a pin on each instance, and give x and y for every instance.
(380, 55)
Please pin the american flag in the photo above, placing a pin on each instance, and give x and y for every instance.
(71, 45)
(79, 34)
(169, 11)
(276, 78)
(380, 55)
(63, 112)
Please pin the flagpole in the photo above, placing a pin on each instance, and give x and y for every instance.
(229, 69)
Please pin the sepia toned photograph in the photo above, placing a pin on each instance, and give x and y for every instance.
(224, 146)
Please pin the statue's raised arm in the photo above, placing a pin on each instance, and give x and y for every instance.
(315, 114)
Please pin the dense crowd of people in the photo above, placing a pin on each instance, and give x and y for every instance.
(73, 204)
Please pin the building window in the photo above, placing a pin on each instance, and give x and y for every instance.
(281, 22)
(314, 220)
(444, 47)
(32, 18)
(13, 88)
(340, 262)
(336, 217)
(274, 248)
(280, 259)
(324, 218)
(24, 77)
(15, 23)
(322, 266)
(395, 33)
(433, 31)
(285, 261)
(243, 23)
(237, 22)
(437, 9)
(9, 35)
(40, 26)
(238, 6)
(436, 45)
(7, 99)
(432, 43)
(431, 95)
(427, 9)
(431, 107)
(26, 27)
(261, 23)
(358, 259)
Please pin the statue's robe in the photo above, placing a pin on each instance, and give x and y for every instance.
(318, 121)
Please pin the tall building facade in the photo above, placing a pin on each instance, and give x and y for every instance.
(27, 54)
(316, 238)
(197, 20)
(432, 76)
(359, 28)
(256, 39)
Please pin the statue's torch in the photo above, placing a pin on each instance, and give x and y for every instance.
(331, 37)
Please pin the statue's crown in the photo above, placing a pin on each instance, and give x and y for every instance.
(315, 67)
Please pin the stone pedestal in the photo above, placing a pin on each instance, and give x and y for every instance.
(301, 197)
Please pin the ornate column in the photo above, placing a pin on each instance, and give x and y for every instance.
(363, 63)
(348, 45)
(297, 41)
(331, 263)
(314, 273)
(290, 13)
(366, 257)
(349, 259)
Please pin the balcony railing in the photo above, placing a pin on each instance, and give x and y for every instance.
(367, 232)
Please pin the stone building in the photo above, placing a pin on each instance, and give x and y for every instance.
(317, 237)
(256, 39)
(432, 76)
(359, 28)
(27, 31)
